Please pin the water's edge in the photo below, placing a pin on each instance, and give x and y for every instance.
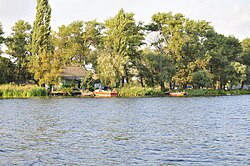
(125, 131)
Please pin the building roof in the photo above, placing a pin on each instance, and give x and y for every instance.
(73, 72)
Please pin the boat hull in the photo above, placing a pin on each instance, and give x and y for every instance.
(106, 94)
(177, 94)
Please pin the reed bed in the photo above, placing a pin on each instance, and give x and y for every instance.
(18, 91)
(138, 91)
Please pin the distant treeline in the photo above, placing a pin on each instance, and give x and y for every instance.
(171, 51)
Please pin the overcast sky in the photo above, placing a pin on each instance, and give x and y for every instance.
(229, 17)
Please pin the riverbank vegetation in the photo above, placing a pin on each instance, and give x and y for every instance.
(16, 91)
(170, 52)
(136, 91)
(213, 92)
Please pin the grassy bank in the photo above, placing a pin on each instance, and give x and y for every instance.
(16, 91)
(213, 92)
(138, 91)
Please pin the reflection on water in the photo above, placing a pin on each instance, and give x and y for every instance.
(125, 131)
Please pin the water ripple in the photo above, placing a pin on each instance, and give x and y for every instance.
(125, 131)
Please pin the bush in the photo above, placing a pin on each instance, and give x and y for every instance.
(138, 91)
(66, 91)
(37, 91)
(202, 78)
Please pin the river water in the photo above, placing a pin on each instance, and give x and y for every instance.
(125, 131)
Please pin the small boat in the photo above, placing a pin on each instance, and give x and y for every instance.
(105, 93)
(177, 93)
(88, 94)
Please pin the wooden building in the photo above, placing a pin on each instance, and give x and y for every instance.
(72, 76)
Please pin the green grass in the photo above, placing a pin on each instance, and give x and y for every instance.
(133, 91)
(16, 91)
(213, 92)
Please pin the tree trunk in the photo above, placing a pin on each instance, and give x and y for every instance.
(173, 85)
(152, 82)
(162, 86)
(242, 84)
(161, 71)
(141, 80)
(123, 81)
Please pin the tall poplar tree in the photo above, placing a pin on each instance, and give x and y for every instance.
(41, 29)
(41, 47)
(121, 42)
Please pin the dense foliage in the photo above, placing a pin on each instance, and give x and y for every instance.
(135, 91)
(170, 52)
(6, 70)
(43, 63)
(1, 37)
(18, 48)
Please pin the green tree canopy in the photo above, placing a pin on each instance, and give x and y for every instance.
(246, 51)
(6, 70)
(202, 78)
(122, 38)
(153, 72)
(18, 47)
(41, 45)
(179, 51)
(69, 42)
(223, 50)
(182, 40)
(41, 38)
(246, 57)
(1, 37)
(76, 41)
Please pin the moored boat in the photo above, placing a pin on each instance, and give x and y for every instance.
(88, 94)
(106, 93)
(177, 93)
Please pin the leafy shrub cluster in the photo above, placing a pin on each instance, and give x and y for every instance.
(130, 91)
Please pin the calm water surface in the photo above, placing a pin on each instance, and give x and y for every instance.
(125, 131)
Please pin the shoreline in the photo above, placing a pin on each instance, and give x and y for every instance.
(32, 91)
(190, 93)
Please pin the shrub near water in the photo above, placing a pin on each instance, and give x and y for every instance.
(138, 91)
(214, 92)
(37, 91)
(15, 91)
